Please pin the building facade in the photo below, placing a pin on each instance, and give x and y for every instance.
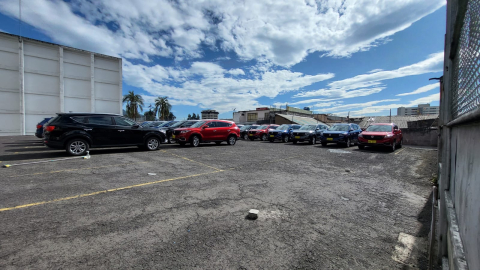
(266, 114)
(209, 114)
(39, 79)
(422, 109)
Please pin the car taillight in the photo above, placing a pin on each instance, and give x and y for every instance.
(49, 128)
(39, 126)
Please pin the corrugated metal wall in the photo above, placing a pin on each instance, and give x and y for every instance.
(38, 80)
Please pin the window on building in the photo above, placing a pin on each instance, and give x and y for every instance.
(252, 117)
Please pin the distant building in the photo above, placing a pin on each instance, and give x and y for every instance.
(422, 109)
(266, 115)
(209, 114)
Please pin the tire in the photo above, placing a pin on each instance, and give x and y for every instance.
(77, 147)
(348, 143)
(313, 140)
(400, 144)
(231, 140)
(361, 147)
(218, 143)
(285, 139)
(294, 142)
(195, 141)
(324, 144)
(264, 137)
(152, 143)
(245, 137)
(392, 148)
(251, 139)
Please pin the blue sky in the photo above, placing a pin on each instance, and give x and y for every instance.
(357, 56)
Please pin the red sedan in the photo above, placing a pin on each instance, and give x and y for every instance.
(381, 134)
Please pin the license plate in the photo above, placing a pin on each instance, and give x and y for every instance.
(272, 136)
(250, 134)
(372, 141)
(329, 139)
(297, 137)
(173, 136)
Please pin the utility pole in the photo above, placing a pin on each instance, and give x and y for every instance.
(390, 115)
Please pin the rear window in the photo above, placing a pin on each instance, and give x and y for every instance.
(100, 120)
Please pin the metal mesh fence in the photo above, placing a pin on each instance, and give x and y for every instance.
(466, 81)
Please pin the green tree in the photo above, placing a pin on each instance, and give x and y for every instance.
(150, 114)
(162, 107)
(171, 116)
(134, 104)
(189, 117)
(194, 116)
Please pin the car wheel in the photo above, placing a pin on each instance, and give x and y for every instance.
(294, 142)
(264, 137)
(152, 143)
(218, 143)
(348, 143)
(231, 140)
(400, 144)
(392, 149)
(313, 140)
(285, 139)
(195, 141)
(77, 147)
(324, 144)
(245, 137)
(361, 147)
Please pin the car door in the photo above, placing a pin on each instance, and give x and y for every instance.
(127, 132)
(101, 129)
(223, 129)
(209, 133)
(397, 133)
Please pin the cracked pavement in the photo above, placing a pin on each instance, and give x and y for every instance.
(192, 213)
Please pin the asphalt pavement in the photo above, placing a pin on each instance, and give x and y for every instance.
(186, 208)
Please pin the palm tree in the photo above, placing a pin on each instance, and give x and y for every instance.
(134, 103)
(162, 107)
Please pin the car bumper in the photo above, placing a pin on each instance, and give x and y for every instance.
(53, 144)
(256, 136)
(383, 142)
(179, 138)
(334, 140)
(276, 136)
(300, 138)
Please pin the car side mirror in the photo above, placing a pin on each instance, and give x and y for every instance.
(136, 126)
(204, 127)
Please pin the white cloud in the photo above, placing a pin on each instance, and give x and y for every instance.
(236, 72)
(281, 32)
(422, 89)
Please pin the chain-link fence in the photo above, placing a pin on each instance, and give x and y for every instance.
(466, 73)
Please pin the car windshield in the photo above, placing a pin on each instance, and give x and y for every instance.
(146, 124)
(254, 127)
(308, 127)
(339, 128)
(177, 124)
(274, 127)
(380, 128)
(163, 124)
(261, 127)
(283, 127)
(244, 128)
(188, 123)
(198, 124)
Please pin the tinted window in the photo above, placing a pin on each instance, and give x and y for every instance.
(212, 124)
(121, 121)
(100, 120)
(79, 119)
(223, 124)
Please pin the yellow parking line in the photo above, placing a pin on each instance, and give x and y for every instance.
(399, 151)
(104, 191)
(70, 170)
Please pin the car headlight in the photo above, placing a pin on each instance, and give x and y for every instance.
(360, 135)
(162, 130)
(389, 136)
(185, 131)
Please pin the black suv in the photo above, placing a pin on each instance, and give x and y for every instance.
(77, 132)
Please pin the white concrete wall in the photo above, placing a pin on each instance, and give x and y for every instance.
(38, 80)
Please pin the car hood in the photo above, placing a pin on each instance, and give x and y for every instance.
(334, 132)
(187, 128)
(303, 131)
(375, 133)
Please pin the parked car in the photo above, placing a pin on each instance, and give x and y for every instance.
(166, 124)
(77, 132)
(381, 134)
(206, 131)
(282, 133)
(39, 131)
(346, 134)
(152, 123)
(180, 124)
(240, 126)
(244, 131)
(260, 132)
(309, 133)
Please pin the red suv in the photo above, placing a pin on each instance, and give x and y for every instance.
(206, 131)
(381, 134)
(260, 132)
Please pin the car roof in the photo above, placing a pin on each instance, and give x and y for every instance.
(92, 114)
(383, 124)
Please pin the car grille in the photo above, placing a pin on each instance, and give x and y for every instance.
(298, 134)
(273, 132)
(331, 135)
(373, 137)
